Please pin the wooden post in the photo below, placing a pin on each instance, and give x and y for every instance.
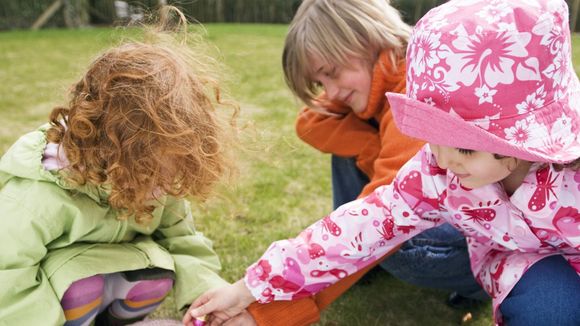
(45, 16)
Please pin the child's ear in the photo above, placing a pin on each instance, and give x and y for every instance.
(512, 163)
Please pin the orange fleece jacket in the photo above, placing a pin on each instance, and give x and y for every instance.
(379, 153)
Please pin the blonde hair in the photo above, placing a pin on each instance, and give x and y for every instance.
(334, 30)
(142, 119)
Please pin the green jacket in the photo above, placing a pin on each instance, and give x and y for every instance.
(52, 234)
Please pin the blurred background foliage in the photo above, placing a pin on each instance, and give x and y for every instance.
(15, 14)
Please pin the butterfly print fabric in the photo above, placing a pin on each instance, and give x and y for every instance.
(505, 234)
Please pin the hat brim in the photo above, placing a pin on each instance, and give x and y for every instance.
(423, 121)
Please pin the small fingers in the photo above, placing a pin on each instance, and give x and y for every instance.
(237, 320)
(242, 319)
(201, 311)
(215, 319)
(204, 305)
(201, 300)
(187, 319)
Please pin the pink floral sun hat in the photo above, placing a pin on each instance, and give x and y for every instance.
(493, 76)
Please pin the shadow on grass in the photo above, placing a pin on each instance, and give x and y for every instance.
(388, 301)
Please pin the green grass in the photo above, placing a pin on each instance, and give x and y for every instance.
(284, 184)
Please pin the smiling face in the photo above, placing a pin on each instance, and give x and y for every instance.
(349, 85)
(477, 169)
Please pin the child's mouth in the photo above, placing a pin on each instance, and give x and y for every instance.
(348, 98)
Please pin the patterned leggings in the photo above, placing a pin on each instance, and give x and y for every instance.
(112, 295)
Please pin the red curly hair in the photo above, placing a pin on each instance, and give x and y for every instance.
(142, 120)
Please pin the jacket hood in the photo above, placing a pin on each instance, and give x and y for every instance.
(24, 160)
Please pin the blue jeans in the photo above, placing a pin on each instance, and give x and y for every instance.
(436, 258)
(547, 294)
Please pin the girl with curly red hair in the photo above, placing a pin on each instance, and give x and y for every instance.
(93, 220)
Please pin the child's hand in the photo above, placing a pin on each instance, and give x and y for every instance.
(223, 304)
(243, 319)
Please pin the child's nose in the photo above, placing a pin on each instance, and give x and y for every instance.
(444, 158)
(331, 90)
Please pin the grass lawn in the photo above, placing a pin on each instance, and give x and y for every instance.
(284, 184)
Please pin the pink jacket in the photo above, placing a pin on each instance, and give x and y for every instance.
(505, 235)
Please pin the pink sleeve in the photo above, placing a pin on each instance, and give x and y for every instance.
(353, 236)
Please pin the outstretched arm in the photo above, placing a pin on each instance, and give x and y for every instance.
(352, 237)
(346, 241)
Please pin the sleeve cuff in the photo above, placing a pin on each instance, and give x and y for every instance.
(256, 281)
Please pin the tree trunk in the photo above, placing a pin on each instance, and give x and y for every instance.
(76, 13)
(219, 8)
(574, 15)
(418, 9)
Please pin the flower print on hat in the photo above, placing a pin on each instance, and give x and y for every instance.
(494, 76)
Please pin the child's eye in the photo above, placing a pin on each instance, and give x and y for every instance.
(331, 73)
(465, 151)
